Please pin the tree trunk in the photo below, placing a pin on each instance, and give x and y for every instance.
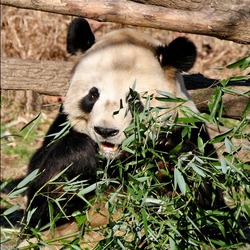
(229, 20)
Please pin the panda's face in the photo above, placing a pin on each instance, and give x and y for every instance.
(97, 100)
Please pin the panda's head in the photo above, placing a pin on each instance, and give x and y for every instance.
(97, 102)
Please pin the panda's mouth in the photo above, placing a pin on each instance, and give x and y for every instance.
(108, 148)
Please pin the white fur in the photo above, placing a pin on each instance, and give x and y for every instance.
(113, 65)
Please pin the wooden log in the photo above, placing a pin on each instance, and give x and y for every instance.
(44, 77)
(229, 22)
(52, 78)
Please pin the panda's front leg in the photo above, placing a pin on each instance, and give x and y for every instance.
(76, 154)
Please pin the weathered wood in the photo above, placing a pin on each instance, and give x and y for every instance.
(228, 20)
(241, 6)
(44, 77)
(52, 78)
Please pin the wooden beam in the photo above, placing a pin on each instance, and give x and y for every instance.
(232, 22)
(44, 77)
(52, 78)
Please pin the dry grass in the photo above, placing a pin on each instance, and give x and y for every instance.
(34, 35)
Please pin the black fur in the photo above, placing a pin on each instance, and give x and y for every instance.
(53, 157)
(80, 36)
(88, 101)
(180, 54)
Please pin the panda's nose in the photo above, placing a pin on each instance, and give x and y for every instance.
(106, 132)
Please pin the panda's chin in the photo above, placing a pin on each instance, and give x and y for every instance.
(109, 150)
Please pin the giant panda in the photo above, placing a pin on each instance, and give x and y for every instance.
(98, 109)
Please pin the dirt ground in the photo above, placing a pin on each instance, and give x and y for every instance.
(38, 35)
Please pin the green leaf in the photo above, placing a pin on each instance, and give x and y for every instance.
(29, 214)
(247, 208)
(59, 174)
(35, 121)
(242, 63)
(172, 242)
(90, 188)
(246, 111)
(145, 221)
(235, 92)
(11, 210)
(17, 192)
(223, 165)
(28, 179)
(188, 120)
(174, 229)
(113, 197)
(188, 112)
(128, 149)
(179, 179)
(240, 78)
(80, 219)
(217, 101)
(128, 141)
(5, 183)
(200, 144)
(218, 242)
(228, 145)
(221, 136)
(197, 169)
(51, 217)
(142, 179)
(176, 149)
(169, 97)
(121, 245)
(65, 129)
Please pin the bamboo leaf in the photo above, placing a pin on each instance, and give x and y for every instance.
(197, 169)
(223, 165)
(11, 210)
(221, 136)
(90, 188)
(28, 179)
(168, 97)
(228, 145)
(17, 192)
(246, 111)
(240, 78)
(34, 122)
(145, 222)
(217, 100)
(188, 112)
(200, 144)
(242, 63)
(179, 180)
(51, 217)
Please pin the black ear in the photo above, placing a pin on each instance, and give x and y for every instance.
(180, 53)
(80, 36)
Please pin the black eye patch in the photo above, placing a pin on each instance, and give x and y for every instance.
(87, 102)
